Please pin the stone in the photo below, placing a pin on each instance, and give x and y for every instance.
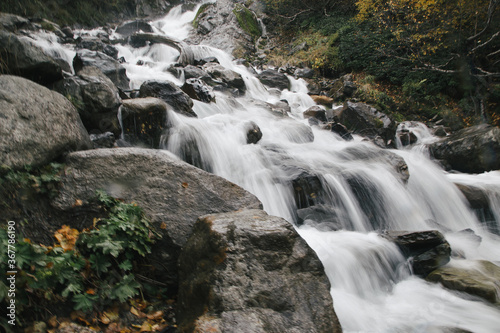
(104, 140)
(129, 28)
(250, 272)
(21, 57)
(172, 193)
(96, 44)
(315, 112)
(198, 90)
(429, 250)
(194, 72)
(37, 125)
(169, 93)
(304, 73)
(274, 79)
(229, 77)
(112, 68)
(144, 121)
(96, 98)
(323, 100)
(340, 130)
(480, 278)
(366, 120)
(473, 150)
(253, 132)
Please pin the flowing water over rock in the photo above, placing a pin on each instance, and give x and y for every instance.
(342, 193)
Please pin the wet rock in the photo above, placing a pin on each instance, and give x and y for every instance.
(207, 60)
(440, 131)
(109, 66)
(367, 153)
(172, 193)
(194, 72)
(19, 56)
(37, 125)
(171, 94)
(129, 28)
(197, 89)
(307, 188)
(340, 130)
(323, 217)
(104, 140)
(274, 79)
(365, 120)
(144, 121)
(229, 77)
(12, 23)
(254, 133)
(480, 203)
(96, 44)
(316, 112)
(280, 109)
(95, 97)
(474, 149)
(407, 137)
(304, 73)
(429, 250)
(250, 272)
(480, 278)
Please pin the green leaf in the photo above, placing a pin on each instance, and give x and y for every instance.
(125, 265)
(127, 288)
(99, 263)
(84, 302)
(74, 288)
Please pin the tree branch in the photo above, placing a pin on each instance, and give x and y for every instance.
(491, 9)
(485, 43)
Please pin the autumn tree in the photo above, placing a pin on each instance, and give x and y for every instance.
(453, 37)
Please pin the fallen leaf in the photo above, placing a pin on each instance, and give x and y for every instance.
(109, 316)
(53, 322)
(137, 313)
(156, 315)
(163, 226)
(146, 327)
(78, 203)
(185, 185)
(90, 291)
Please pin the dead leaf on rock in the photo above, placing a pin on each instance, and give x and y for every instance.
(156, 315)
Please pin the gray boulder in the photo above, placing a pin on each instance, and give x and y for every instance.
(109, 66)
(474, 149)
(482, 279)
(172, 193)
(95, 97)
(37, 125)
(366, 120)
(227, 76)
(129, 28)
(21, 57)
(12, 23)
(429, 250)
(144, 121)
(250, 272)
(274, 79)
(198, 90)
(171, 94)
(94, 43)
(253, 132)
(316, 112)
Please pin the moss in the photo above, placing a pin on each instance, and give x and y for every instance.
(247, 21)
(200, 14)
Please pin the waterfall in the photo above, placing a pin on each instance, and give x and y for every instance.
(355, 192)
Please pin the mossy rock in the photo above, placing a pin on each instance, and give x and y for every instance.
(200, 13)
(247, 21)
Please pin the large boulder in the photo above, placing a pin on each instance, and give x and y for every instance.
(474, 149)
(198, 90)
(227, 76)
(95, 43)
(128, 28)
(144, 121)
(250, 272)
(428, 250)
(274, 79)
(171, 192)
(37, 125)
(21, 57)
(480, 278)
(366, 120)
(171, 94)
(109, 66)
(95, 97)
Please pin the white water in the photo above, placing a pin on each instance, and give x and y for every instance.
(372, 287)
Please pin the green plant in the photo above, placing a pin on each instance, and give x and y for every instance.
(247, 21)
(91, 268)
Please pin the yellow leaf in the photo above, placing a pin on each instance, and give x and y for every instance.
(146, 327)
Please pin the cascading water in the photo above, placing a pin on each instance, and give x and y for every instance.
(354, 191)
